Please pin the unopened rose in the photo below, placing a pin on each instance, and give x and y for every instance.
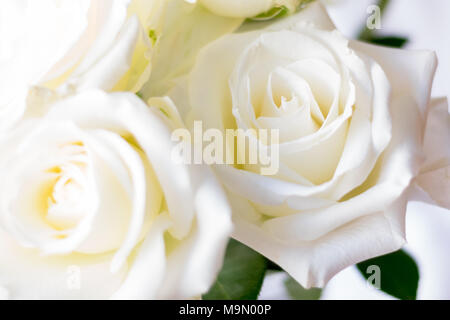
(245, 8)
(187, 27)
(93, 207)
(74, 44)
(351, 120)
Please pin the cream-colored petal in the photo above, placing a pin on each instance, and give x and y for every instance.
(111, 17)
(409, 72)
(148, 269)
(26, 274)
(314, 263)
(103, 20)
(434, 175)
(101, 75)
(238, 8)
(201, 254)
(214, 94)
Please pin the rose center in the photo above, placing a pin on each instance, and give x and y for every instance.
(65, 197)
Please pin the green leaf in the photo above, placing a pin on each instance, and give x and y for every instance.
(398, 274)
(272, 266)
(391, 41)
(297, 292)
(241, 276)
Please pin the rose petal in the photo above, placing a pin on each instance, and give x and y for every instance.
(313, 264)
(148, 270)
(434, 176)
(28, 275)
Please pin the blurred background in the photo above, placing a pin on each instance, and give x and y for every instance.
(423, 24)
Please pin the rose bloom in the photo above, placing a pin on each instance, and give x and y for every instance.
(73, 45)
(92, 207)
(351, 120)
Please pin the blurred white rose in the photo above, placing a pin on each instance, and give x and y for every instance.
(79, 44)
(92, 206)
(351, 119)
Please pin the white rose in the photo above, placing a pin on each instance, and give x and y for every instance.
(79, 44)
(92, 207)
(351, 118)
(245, 8)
